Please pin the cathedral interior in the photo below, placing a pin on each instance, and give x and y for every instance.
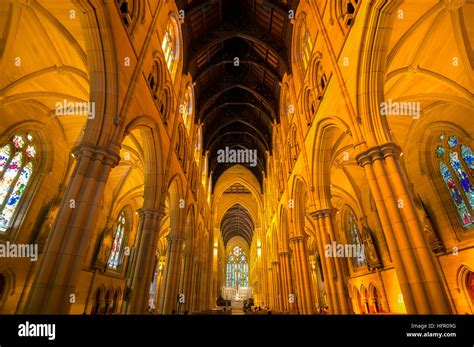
(236, 157)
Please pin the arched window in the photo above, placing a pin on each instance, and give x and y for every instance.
(129, 11)
(153, 79)
(116, 251)
(353, 235)
(181, 146)
(186, 108)
(164, 105)
(288, 109)
(456, 166)
(304, 45)
(321, 79)
(198, 147)
(204, 171)
(347, 11)
(17, 162)
(237, 268)
(470, 286)
(294, 147)
(281, 181)
(170, 46)
(310, 106)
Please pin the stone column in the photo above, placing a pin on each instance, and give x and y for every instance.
(277, 285)
(327, 264)
(285, 279)
(419, 280)
(340, 278)
(186, 280)
(66, 249)
(172, 274)
(146, 259)
(302, 272)
(271, 295)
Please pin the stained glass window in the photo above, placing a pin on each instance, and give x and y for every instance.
(4, 156)
(468, 158)
(440, 151)
(353, 231)
(115, 253)
(305, 45)
(186, 108)
(170, 46)
(456, 168)
(237, 268)
(452, 141)
(16, 167)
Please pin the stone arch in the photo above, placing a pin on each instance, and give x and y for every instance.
(98, 301)
(300, 196)
(117, 301)
(375, 302)
(329, 133)
(7, 286)
(153, 159)
(176, 200)
(464, 275)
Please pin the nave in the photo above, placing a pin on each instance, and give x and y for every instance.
(236, 156)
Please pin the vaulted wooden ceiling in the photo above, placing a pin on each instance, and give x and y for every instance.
(237, 100)
(237, 222)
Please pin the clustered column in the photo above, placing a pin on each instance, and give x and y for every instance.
(144, 266)
(302, 274)
(67, 244)
(173, 270)
(419, 279)
(285, 280)
(332, 271)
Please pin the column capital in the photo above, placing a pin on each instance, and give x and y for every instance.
(325, 212)
(297, 239)
(368, 156)
(390, 149)
(285, 253)
(146, 212)
(275, 262)
(109, 156)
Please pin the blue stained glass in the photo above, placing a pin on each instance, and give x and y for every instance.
(9, 177)
(462, 177)
(468, 158)
(237, 269)
(452, 141)
(4, 156)
(461, 207)
(16, 195)
(114, 258)
(16, 169)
